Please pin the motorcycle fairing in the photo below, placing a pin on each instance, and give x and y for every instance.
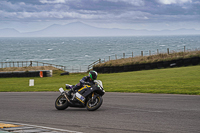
(80, 97)
(87, 90)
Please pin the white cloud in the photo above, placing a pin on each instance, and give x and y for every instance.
(197, 2)
(52, 1)
(134, 15)
(46, 15)
(133, 2)
(168, 2)
(9, 5)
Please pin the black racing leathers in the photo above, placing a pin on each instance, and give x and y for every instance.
(85, 80)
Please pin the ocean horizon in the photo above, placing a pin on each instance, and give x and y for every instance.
(76, 53)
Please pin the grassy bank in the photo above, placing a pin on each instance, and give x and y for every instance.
(183, 80)
(150, 59)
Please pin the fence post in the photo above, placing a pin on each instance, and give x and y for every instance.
(167, 50)
(132, 54)
(141, 53)
(157, 51)
(109, 58)
(149, 52)
(99, 60)
(31, 63)
(116, 57)
(184, 48)
(123, 55)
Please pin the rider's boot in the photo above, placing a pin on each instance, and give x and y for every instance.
(73, 89)
(69, 92)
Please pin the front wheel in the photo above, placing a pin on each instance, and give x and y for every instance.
(94, 104)
(61, 103)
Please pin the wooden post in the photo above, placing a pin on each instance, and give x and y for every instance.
(141, 53)
(157, 51)
(167, 50)
(31, 63)
(109, 58)
(184, 48)
(149, 52)
(99, 60)
(132, 54)
(116, 57)
(123, 55)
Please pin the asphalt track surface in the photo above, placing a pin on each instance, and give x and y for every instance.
(119, 113)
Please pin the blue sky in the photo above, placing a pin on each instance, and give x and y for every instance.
(32, 15)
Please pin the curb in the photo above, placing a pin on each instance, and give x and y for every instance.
(10, 127)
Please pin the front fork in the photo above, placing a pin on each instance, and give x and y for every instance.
(63, 93)
(66, 97)
(93, 97)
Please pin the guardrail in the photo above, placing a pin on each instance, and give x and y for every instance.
(94, 63)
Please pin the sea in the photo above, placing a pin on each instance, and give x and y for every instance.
(76, 53)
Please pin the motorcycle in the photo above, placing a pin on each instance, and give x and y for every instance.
(89, 96)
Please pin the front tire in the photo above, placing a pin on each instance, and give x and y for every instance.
(61, 103)
(95, 104)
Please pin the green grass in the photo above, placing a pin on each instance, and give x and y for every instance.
(183, 80)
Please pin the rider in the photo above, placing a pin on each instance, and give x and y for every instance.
(89, 80)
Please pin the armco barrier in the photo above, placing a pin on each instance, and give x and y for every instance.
(46, 73)
(148, 66)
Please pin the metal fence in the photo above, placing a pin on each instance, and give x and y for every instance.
(28, 64)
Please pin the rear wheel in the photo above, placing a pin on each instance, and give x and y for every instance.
(61, 103)
(94, 104)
